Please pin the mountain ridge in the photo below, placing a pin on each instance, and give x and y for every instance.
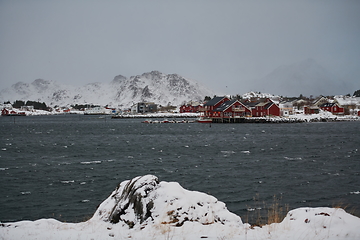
(154, 86)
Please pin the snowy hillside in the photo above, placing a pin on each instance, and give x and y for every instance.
(145, 208)
(153, 86)
(251, 94)
(306, 77)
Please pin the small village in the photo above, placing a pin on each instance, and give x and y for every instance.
(226, 110)
(255, 107)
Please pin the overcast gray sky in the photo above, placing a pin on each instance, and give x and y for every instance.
(222, 44)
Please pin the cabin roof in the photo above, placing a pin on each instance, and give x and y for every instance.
(225, 105)
(327, 104)
(214, 101)
(269, 104)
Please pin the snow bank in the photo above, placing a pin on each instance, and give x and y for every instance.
(144, 208)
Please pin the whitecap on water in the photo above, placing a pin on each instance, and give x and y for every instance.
(357, 192)
(91, 162)
(3, 169)
(25, 193)
(250, 209)
(227, 152)
(85, 162)
(245, 152)
(64, 163)
(296, 158)
(85, 200)
(66, 182)
(168, 170)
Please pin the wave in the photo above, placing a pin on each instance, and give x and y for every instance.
(70, 181)
(227, 152)
(91, 162)
(295, 158)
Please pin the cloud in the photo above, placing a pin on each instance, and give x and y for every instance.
(215, 42)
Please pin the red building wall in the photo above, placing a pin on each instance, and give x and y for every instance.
(258, 111)
(274, 110)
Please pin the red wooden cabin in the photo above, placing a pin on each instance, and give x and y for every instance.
(211, 105)
(334, 108)
(231, 109)
(264, 107)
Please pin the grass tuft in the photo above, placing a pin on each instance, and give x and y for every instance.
(263, 213)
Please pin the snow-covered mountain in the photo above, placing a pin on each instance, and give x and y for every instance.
(306, 77)
(152, 86)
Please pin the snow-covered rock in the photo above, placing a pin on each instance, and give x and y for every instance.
(144, 208)
(144, 200)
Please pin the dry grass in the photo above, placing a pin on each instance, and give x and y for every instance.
(276, 212)
(349, 209)
(263, 214)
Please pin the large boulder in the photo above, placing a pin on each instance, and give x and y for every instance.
(144, 200)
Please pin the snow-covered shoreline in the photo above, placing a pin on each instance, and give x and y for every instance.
(145, 208)
(323, 116)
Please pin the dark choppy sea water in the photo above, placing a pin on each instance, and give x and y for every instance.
(63, 167)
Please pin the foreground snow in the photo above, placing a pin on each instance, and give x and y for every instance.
(144, 208)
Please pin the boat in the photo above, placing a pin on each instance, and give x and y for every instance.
(204, 120)
(147, 121)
